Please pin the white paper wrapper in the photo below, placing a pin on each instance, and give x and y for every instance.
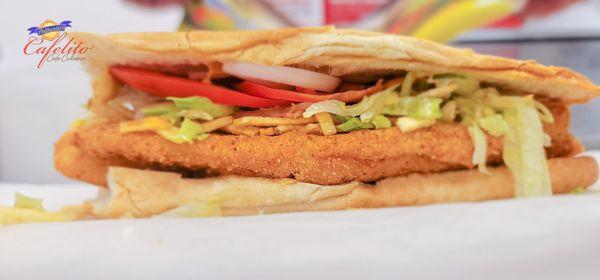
(543, 238)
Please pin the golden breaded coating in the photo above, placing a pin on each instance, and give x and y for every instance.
(366, 155)
(74, 163)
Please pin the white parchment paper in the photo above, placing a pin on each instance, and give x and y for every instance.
(543, 238)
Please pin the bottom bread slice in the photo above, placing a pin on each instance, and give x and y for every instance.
(144, 193)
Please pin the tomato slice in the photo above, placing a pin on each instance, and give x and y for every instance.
(267, 92)
(281, 94)
(169, 86)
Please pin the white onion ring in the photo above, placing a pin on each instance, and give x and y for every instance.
(282, 75)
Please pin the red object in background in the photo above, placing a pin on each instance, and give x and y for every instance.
(513, 21)
(344, 11)
(533, 9)
(540, 8)
(279, 94)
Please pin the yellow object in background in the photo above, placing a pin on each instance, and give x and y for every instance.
(460, 16)
(437, 20)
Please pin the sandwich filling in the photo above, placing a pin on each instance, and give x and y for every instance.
(281, 122)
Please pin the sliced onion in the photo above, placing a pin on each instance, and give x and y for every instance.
(130, 100)
(282, 75)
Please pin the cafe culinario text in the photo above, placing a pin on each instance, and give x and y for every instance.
(49, 42)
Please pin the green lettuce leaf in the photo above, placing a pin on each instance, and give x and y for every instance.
(353, 124)
(204, 104)
(406, 89)
(408, 124)
(187, 133)
(367, 108)
(415, 107)
(578, 190)
(381, 122)
(524, 150)
(386, 102)
(160, 109)
(494, 125)
(480, 147)
(466, 85)
(23, 201)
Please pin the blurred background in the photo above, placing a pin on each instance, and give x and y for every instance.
(37, 105)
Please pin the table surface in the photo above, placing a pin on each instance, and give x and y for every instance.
(539, 238)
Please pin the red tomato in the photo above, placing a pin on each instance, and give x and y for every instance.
(281, 94)
(266, 92)
(170, 86)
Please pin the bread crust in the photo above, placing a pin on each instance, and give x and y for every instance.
(143, 193)
(341, 51)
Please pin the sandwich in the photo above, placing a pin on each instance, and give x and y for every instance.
(222, 123)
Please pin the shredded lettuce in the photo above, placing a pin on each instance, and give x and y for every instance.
(164, 110)
(494, 125)
(378, 102)
(196, 114)
(175, 121)
(519, 120)
(195, 108)
(578, 190)
(480, 147)
(516, 118)
(30, 210)
(353, 124)
(202, 104)
(340, 119)
(22, 201)
(408, 124)
(440, 91)
(14, 215)
(407, 84)
(381, 122)
(386, 102)
(367, 108)
(524, 150)
(449, 111)
(187, 133)
(335, 107)
(465, 85)
(472, 109)
(160, 109)
(415, 107)
(547, 140)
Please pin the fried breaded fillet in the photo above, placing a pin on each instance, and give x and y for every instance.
(365, 156)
